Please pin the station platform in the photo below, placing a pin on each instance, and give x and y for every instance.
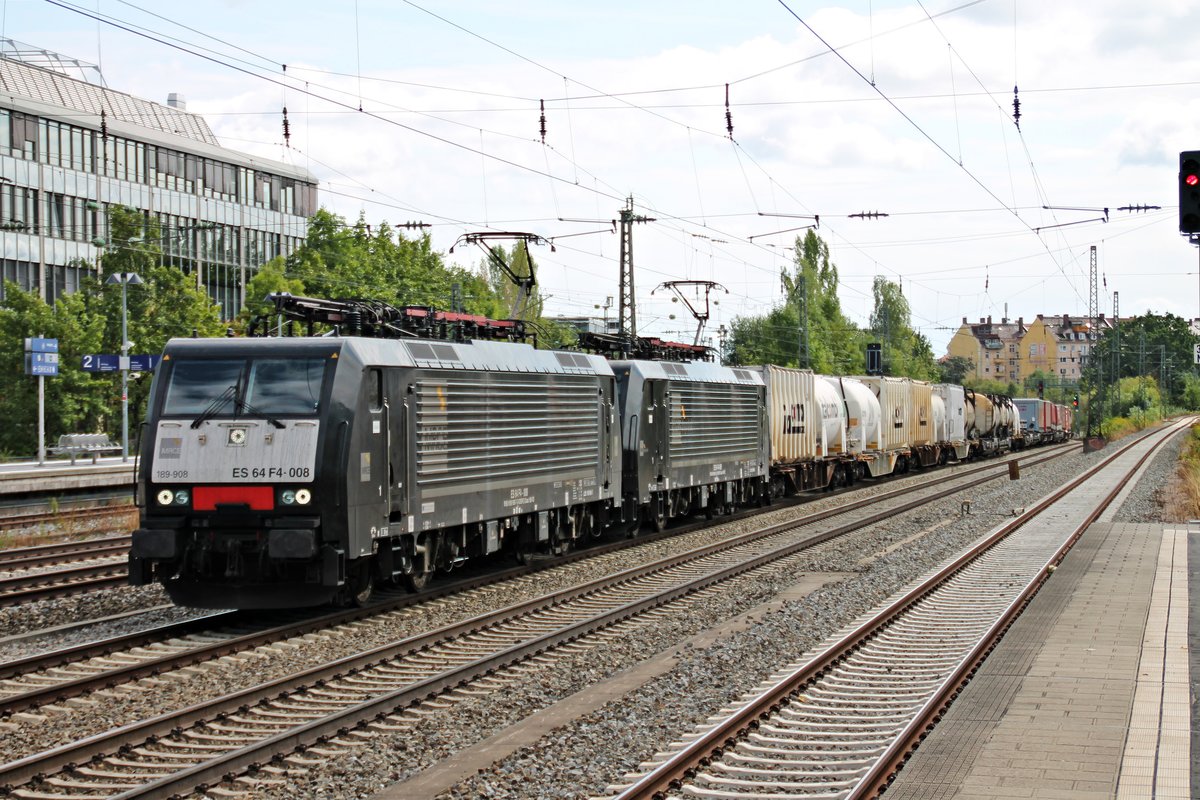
(30, 478)
(1088, 695)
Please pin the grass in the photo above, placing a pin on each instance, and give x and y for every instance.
(1181, 496)
(68, 530)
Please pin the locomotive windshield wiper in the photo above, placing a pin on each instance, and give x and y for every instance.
(243, 406)
(215, 406)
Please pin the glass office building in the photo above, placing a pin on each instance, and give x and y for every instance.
(70, 148)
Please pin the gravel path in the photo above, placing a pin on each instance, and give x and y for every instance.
(1145, 502)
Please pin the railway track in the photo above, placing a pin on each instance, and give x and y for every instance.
(43, 518)
(182, 750)
(47, 555)
(841, 724)
(70, 580)
(74, 671)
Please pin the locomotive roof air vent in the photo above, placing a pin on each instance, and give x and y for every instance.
(445, 352)
(578, 360)
(674, 369)
(424, 351)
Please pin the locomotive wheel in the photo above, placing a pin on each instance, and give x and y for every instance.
(416, 581)
(360, 586)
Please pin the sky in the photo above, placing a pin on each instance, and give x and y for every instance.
(901, 108)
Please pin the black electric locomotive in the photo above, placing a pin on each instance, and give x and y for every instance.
(293, 471)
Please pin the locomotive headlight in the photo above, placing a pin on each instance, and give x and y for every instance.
(181, 497)
(288, 497)
(166, 497)
(303, 496)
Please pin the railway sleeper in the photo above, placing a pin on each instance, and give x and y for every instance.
(107, 786)
(141, 777)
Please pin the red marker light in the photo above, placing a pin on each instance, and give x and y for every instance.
(1191, 179)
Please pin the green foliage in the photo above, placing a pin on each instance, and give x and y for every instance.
(1190, 391)
(835, 344)
(1153, 345)
(166, 304)
(76, 401)
(378, 263)
(358, 261)
(987, 386)
(271, 278)
(955, 369)
(554, 335)
(905, 351)
(505, 290)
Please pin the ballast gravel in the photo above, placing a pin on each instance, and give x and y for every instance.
(152, 696)
(582, 758)
(597, 749)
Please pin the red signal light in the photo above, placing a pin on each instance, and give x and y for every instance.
(1191, 179)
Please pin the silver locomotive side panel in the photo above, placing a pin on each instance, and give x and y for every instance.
(714, 432)
(235, 451)
(489, 445)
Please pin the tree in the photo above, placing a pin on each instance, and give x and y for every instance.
(905, 351)
(270, 278)
(358, 261)
(835, 345)
(76, 401)
(1158, 346)
(507, 292)
(955, 369)
(167, 303)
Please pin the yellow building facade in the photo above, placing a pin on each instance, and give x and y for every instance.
(1056, 346)
(994, 348)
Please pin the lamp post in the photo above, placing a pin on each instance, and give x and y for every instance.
(124, 278)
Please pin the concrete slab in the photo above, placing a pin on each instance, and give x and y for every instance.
(1078, 700)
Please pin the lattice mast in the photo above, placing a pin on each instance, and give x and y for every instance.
(627, 307)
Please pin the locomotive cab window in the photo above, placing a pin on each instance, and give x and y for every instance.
(245, 387)
(375, 389)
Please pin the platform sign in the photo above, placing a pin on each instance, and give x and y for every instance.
(145, 363)
(41, 356)
(38, 344)
(41, 360)
(41, 363)
(101, 363)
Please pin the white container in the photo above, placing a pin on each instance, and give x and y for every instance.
(803, 424)
(862, 412)
(955, 400)
(940, 423)
(983, 420)
(833, 416)
(897, 411)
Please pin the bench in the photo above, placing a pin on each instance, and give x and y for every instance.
(77, 444)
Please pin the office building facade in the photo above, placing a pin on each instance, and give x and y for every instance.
(71, 148)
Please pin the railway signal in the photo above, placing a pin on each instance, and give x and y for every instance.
(1189, 191)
